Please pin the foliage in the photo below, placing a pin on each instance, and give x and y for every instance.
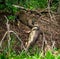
(35, 4)
(24, 55)
(54, 5)
(32, 4)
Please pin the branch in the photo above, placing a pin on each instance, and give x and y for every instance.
(9, 38)
(18, 39)
(3, 38)
(32, 11)
(8, 34)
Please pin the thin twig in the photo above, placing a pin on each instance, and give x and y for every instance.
(53, 45)
(3, 38)
(18, 39)
(8, 36)
(44, 42)
(8, 29)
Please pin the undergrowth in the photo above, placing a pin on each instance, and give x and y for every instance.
(24, 55)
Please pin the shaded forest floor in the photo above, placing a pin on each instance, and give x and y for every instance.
(51, 29)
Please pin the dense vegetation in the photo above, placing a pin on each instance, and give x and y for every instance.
(31, 4)
(6, 7)
(24, 55)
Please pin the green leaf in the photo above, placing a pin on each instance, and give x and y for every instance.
(58, 57)
(49, 55)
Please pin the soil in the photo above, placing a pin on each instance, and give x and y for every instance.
(51, 29)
